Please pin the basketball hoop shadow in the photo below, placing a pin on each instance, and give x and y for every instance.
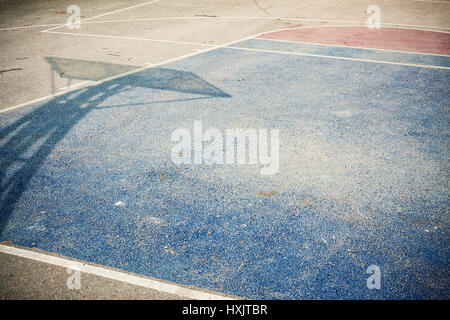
(155, 78)
(29, 140)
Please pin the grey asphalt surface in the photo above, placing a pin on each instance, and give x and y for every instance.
(25, 279)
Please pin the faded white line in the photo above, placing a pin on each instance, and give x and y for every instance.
(153, 284)
(148, 65)
(168, 61)
(28, 27)
(86, 21)
(362, 24)
(41, 99)
(432, 1)
(353, 47)
(339, 58)
(132, 38)
(76, 85)
(107, 13)
(256, 18)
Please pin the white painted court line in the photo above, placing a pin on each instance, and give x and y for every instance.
(41, 99)
(353, 47)
(346, 25)
(168, 61)
(132, 38)
(164, 62)
(362, 23)
(432, 1)
(148, 65)
(259, 34)
(77, 85)
(107, 13)
(203, 44)
(339, 58)
(28, 27)
(114, 275)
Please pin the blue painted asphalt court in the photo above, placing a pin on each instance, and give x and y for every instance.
(362, 180)
(346, 52)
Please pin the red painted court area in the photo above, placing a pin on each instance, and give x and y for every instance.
(409, 40)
